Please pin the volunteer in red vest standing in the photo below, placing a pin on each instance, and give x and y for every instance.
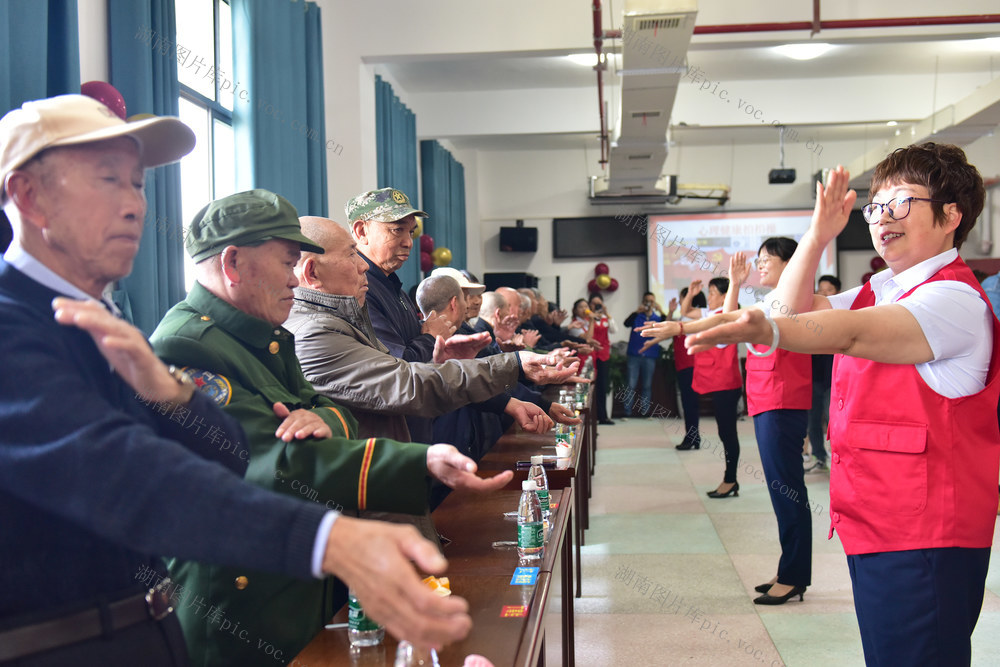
(594, 324)
(779, 395)
(717, 372)
(915, 448)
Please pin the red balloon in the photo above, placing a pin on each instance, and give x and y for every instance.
(426, 243)
(600, 268)
(613, 286)
(426, 261)
(102, 91)
(865, 278)
(877, 263)
(592, 286)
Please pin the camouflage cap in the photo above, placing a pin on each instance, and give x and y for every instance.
(244, 219)
(385, 205)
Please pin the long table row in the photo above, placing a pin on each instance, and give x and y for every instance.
(509, 614)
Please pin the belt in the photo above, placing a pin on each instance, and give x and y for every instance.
(65, 630)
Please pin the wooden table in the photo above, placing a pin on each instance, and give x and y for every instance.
(573, 471)
(517, 641)
(482, 574)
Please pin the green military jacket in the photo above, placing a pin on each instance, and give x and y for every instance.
(232, 616)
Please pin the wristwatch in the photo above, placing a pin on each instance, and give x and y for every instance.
(187, 385)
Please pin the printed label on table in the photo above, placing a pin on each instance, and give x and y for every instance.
(513, 611)
(524, 576)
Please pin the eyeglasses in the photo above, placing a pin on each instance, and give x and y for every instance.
(898, 208)
(761, 261)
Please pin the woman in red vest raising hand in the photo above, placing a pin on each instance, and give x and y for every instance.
(779, 395)
(717, 372)
(913, 410)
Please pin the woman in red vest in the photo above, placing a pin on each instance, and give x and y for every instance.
(915, 448)
(717, 372)
(779, 395)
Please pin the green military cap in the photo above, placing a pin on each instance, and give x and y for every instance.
(244, 219)
(385, 205)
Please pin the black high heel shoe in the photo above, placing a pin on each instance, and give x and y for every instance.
(780, 599)
(734, 491)
(688, 444)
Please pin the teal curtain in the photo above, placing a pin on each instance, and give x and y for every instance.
(40, 43)
(41, 58)
(444, 196)
(143, 67)
(281, 132)
(396, 147)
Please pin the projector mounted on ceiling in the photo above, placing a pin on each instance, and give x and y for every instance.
(781, 175)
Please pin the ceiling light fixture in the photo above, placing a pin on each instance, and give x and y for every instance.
(892, 123)
(806, 51)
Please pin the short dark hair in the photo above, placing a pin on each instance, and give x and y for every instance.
(833, 280)
(721, 284)
(779, 246)
(946, 173)
(645, 294)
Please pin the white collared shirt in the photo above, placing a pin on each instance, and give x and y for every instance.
(955, 320)
(27, 264)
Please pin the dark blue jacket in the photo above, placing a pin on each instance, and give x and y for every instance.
(93, 482)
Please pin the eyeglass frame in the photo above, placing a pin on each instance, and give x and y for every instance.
(885, 207)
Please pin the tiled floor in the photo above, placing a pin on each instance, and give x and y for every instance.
(668, 573)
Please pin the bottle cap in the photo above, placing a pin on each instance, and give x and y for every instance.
(536, 460)
(529, 485)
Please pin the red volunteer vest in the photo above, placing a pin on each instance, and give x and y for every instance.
(601, 325)
(682, 358)
(780, 381)
(717, 369)
(912, 469)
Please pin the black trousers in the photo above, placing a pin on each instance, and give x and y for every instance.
(918, 607)
(689, 402)
(601, 390)
(147, 644)
(779, 438)
(724, 405)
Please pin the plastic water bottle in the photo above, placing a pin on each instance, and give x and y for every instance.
(361, 630)
(564, 435)
(537, 475)
(408, 655)
(530, 529)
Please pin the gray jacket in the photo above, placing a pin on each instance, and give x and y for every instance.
(336, 345)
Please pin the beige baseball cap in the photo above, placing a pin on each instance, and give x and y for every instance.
(463, 282)
(66, 120)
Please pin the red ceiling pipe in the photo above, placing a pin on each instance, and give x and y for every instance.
(971, 19)
(598, 48)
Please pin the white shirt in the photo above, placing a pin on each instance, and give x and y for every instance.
(955, 320)
(24, 262)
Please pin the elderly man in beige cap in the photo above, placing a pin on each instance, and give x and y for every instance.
(107, 456)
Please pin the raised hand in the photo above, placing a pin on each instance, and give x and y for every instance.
(833, 205)
(505, 328)
(739, 268)
(436, 325)
(124, 347)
